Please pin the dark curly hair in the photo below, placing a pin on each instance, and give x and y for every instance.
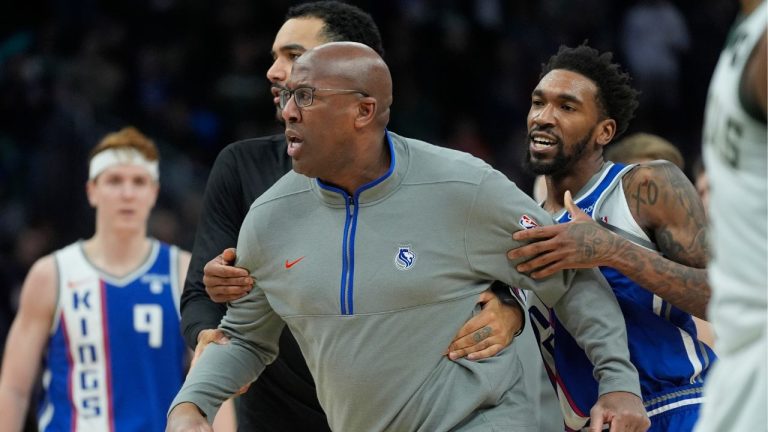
(343, 22)
(615, 96)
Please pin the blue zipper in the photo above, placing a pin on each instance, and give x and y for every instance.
(352, 205)
(348, 258)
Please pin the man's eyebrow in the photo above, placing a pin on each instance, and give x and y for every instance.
(566, 96)
(289, 47)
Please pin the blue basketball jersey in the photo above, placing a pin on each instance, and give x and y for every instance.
(663, 345)
(115, 358)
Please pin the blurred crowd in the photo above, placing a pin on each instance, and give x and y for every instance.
(191, 74)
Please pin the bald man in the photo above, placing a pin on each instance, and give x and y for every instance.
(375, 240)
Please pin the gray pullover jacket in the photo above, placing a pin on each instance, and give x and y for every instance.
(375, 285)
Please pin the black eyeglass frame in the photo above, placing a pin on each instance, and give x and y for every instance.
(301, 101)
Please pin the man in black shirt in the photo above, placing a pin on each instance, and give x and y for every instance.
(283, 398)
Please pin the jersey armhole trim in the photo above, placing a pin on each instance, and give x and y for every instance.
(57, 301)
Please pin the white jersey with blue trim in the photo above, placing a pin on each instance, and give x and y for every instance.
(116, 356)
(663, 345)
(736, 160)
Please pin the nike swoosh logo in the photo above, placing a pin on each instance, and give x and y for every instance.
(289, 264)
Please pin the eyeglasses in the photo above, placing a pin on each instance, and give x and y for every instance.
(304, 96)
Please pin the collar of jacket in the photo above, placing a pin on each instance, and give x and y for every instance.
(376, 190)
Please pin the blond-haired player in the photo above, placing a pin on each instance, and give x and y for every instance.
(102, 313)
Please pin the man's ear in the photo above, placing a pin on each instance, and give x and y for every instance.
(90, 192)
(606, 130)
(366, 111)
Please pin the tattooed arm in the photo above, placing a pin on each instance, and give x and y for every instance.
(665, 204)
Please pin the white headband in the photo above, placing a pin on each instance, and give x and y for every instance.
(121, 156)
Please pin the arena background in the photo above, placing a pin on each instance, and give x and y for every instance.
(191, 74)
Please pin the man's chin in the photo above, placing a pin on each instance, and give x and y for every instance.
(538, 167)
(296, 166)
